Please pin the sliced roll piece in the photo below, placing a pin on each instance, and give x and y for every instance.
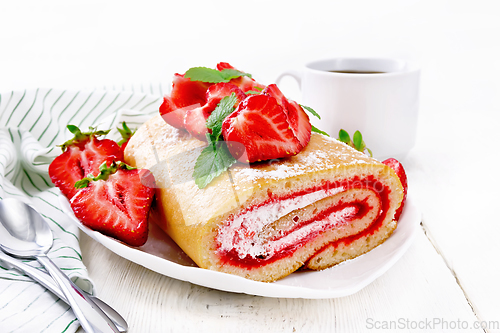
(263, 221)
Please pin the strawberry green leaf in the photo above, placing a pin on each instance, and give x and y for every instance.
(314, 129)
(104, 173)
(225, 107)
(213, 160)
(252, 92)
(211, 75)
(311, 110)
(344, 137)
(80, 136)
(125, 132)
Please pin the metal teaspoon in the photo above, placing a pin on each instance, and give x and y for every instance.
(24, 233)
(46, 280)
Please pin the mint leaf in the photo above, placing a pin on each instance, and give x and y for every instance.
(357, 139)
(211, 75)
(314, 129)
(344, 137)
(213, 160)
(314, 113)
(204, 74)
(252, 92)
(230, 73)
(225, 107)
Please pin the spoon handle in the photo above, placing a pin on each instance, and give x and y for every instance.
(46, 280)
(90, 316)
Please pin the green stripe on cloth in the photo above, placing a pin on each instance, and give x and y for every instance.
(32, 123)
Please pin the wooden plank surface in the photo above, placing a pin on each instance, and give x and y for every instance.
(455, 183)
(417, 292)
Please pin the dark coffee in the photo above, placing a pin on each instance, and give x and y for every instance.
(356, 72)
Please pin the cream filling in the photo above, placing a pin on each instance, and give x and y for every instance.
(241, 234)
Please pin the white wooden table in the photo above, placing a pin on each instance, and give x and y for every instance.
(449, 278)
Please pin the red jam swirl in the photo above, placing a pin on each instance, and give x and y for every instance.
(361, 208)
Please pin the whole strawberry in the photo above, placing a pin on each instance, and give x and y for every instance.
(115, 203)
(400, 171)
(81, 156)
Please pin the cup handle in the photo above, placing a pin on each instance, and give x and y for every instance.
(295, 74)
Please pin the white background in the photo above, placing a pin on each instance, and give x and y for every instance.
(77, 44)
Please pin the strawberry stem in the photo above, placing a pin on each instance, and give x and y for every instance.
(80, 136)
(104, 173)
(125, 132)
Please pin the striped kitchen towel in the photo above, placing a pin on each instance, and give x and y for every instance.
(32, 123)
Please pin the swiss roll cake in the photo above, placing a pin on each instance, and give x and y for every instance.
(262, 221)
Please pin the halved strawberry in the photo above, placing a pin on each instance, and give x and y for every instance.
(186, 92)
(400, 171)
(115, 203)
(261, 125)
(297, 117)
(195, 119)
(243, 82)
(81, 156)
(186, 95)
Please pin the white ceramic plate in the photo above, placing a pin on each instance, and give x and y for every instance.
(162, 255)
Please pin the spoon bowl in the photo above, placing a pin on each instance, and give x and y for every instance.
(24, 233)
(19, 238)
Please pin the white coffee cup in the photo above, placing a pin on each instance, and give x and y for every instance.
(380, 100)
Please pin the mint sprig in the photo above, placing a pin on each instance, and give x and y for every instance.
(314, 113)
(314, 129)
(357, 141)
(211, 75)
(311, 110)
(214, 122)
(215, 158)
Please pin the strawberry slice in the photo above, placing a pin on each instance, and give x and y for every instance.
(115, 203)
(243, 82)
(261, 125)
(195, 119)
(298, 119)
(186, 92)
(185, 95)
(400, 171)
(81, 156)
